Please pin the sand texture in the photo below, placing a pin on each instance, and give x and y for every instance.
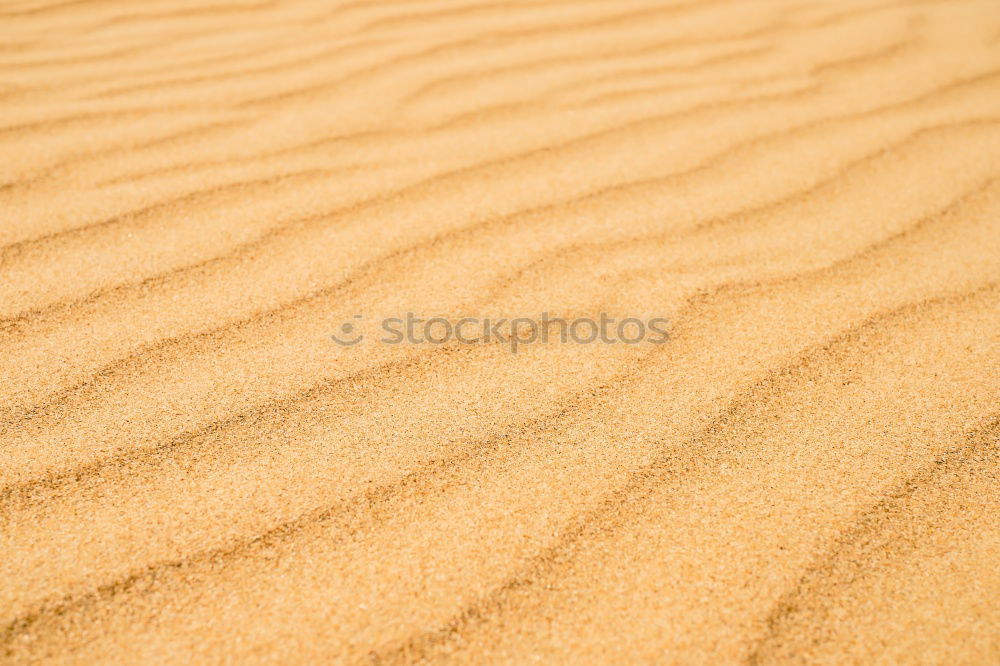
(195, 195)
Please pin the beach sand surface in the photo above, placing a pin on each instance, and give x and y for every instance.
(195, 196)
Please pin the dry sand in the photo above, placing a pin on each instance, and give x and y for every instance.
(195, 195)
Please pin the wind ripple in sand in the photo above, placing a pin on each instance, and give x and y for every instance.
(196, 196)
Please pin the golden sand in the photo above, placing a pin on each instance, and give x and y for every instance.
(194, 196)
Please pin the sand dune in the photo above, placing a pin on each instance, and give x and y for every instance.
(195, 196)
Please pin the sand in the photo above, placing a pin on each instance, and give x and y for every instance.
(195, 196)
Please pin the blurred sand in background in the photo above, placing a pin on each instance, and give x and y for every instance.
(194, 196)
